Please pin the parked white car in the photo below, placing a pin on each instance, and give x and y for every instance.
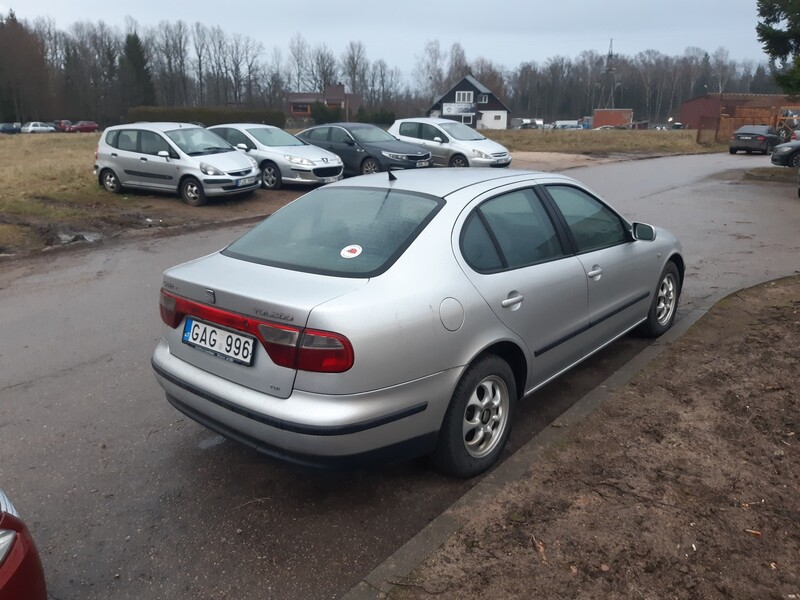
(37, 127)
(451, 144)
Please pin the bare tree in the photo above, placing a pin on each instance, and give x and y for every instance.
(722, 68)
(201, 57)
(324, 69)
(355, 67)
(457, 66)
(383, 87)
(276, 80)
(429, 71)
(298, 62)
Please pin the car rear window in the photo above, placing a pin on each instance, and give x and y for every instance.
(339, 231)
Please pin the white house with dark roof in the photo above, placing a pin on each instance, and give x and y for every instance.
(472, 103)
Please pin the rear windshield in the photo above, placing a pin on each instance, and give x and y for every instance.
(340, 231)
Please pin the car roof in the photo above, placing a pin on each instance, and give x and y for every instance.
(157, 126)
(443, 182)
(245, 126)
(436, 120)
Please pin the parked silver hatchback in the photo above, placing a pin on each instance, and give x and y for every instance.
(406, 313)
(282, 157)
(173, 157)
(451, 144)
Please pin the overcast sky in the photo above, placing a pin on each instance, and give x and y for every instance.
(507, 32)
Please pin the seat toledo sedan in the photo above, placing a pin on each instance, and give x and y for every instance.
(406, 313)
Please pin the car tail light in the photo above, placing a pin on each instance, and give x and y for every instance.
(793, 136)
(287, 346)
(733, 137)
(761, 138)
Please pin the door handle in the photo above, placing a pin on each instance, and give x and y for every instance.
(113, 154)
(595, 272)
(512, 301)
(143, 159)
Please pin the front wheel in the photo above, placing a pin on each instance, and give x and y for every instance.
(795, 160)
(665, 303)
(458, 161)
(192, 192)
(478, 421)
(271, 176)
(370, 165)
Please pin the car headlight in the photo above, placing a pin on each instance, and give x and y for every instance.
(253, 162)
(394, 156)
(209, 170)
(480, 154)
(783, 150)
(298, 160)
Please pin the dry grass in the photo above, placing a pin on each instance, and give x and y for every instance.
(601, 142)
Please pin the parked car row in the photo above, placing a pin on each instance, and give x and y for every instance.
(48, 127)
(235, 158)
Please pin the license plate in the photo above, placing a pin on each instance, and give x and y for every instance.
(329, 179)
(423, 163)
(219, 342)
(246, 181)
(745, 137)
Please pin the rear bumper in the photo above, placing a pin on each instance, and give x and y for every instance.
(339, 431)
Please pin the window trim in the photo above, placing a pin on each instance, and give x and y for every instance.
(483, 98)
(466, 97)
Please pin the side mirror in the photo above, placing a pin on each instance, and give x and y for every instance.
(350, 142)
(163, 154)
(644, 232)
(437, 139)
(243, 147)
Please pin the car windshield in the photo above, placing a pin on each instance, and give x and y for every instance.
(344, 232)
(196, 141)
(275, 137)
(462, 132)
(371, 134)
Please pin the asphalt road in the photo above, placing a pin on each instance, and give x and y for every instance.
(128, 499)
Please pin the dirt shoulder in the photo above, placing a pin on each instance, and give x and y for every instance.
(683, 484)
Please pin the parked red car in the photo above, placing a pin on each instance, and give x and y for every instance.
(83, 126)
(62, 124)
(21, 574)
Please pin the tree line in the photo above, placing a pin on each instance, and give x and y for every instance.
(95, 71)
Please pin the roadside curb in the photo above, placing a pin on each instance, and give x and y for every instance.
(397, 567)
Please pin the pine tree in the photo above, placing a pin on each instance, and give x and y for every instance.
(778, 31)
(135, 77)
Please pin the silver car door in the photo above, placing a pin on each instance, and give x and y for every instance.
(619, 271)
(514, 257)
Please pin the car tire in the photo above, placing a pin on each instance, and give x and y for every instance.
(794, 161)
(370, 165)
(192, 192)
(271, 176)
(110, 181)
(732, 150)
(664, 306)
(478, 420)
(458, 161)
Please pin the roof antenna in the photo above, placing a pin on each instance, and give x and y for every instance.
(391, 176)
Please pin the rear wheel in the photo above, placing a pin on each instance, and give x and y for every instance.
(732, 150)
(192, 192)
(271, 176)
(795, 160)
(478, 421)
(110, 181)
(458, 161)
(370, 165)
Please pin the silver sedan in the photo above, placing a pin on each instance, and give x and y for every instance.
(282, 157)
(406, 313)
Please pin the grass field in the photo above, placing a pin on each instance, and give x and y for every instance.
(46, 183)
